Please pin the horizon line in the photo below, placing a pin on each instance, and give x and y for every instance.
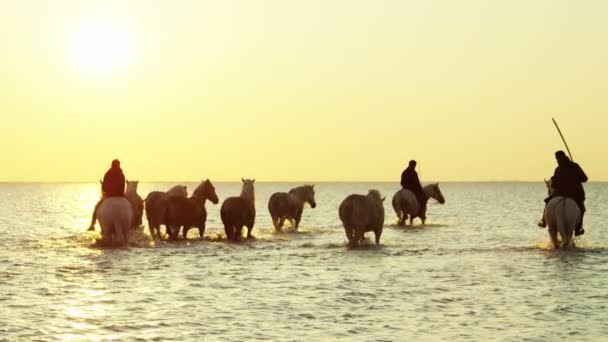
(292, 181)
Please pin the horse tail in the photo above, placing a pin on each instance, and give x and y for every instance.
(396, 204)
(566, 220)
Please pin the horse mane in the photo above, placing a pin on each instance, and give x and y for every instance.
(432, 191)
(298, 190)
(179, 190)
(200, 189)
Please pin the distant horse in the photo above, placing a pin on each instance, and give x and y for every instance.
(115, 216)
(156, 207)
(137, 203)
(360, 214)
(237, 212)
(406, 204)
(562, 214)
(283, 205)
(190, 212)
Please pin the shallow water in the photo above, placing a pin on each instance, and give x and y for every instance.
(479, 270)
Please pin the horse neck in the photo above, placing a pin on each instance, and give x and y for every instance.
(429, 191)
(198, 198)
(298, 195)
(131, 191)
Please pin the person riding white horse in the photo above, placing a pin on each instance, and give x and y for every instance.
(113, 185)
(567, 182)
(410, 181)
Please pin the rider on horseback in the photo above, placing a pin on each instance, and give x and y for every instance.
(410, 181)
(567, 181)
(113, 185)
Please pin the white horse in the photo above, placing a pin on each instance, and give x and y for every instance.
(562, 214)
(115, 216)
(406, 204)
(137, 203)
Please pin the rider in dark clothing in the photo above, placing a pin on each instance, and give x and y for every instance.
(114, 181)
(113, 185)
(567, 181)
(410, 181)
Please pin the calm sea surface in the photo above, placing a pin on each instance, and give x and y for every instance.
(480, 270)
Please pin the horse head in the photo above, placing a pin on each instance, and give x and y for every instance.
(132, 186)
(247, 190)
(206, 190)
(436, 194)
(305, 193)
(549, 185)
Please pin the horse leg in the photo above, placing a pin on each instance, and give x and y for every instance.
(401, 217)
(377, 233)
(566, 238)
(349, 234)
(553, 235)
(185, 232)
(201, 231)
(275, 223)
(125, 235)
(228, 231)
(281, 221)
(423, 219)
(297, 220)
(249, 229)
(358, 236)
(173, 232)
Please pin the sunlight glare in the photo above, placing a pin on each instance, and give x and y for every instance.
(101, 47)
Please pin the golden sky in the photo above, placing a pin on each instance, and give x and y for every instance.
(340, 90)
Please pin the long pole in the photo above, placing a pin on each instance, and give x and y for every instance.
(564, 140)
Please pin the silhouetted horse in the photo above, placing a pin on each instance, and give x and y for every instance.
(237, 212)
(137, 203)
(406, 204)
(562, 214)
(156, 207)
(360, 214)
(283, 205)
(190, 212)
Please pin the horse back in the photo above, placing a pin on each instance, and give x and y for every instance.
(236, 211)
(406, 201)
(156, 206)
(279, 204)
(562, 208)
(115, 209)
(184, 211)
(356, 210)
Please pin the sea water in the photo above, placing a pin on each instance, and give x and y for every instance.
(479, 269)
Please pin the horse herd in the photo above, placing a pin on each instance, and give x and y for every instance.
(176, 211)
(358, 213)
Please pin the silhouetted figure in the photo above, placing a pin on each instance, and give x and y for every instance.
(113, 185)
(567, 181)
(410, 181)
